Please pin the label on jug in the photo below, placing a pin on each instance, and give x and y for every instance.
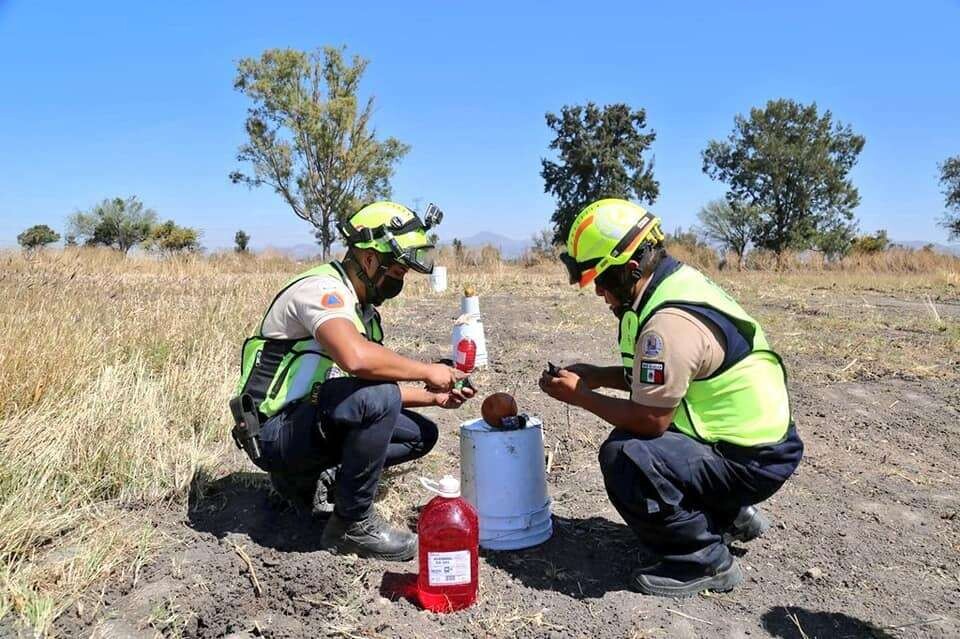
(449, 568)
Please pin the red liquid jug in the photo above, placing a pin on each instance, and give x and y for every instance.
(448, 533)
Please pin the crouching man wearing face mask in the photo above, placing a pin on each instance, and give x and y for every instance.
(321, 390)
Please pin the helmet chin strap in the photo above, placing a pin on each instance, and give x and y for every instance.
(628, 278)
(371, 290)
(623, 290)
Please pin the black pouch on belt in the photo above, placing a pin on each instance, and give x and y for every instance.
(246, 431)
(320, 437)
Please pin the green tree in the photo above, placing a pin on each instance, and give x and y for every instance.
(240, 241)
(792, 164)
(310, 138)
(115, 222)
(729, 224)
(950, 182)
(836, 239)
(690, 238)
(37, 236)
(457, 247)
(170, 238)
(876, 243)
(600, 155)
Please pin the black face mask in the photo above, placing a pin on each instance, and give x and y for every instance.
(389, 287)
(620, 284)
(384, 288)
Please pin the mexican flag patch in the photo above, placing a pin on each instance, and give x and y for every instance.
(651, 372)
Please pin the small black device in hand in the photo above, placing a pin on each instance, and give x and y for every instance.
(552, 370)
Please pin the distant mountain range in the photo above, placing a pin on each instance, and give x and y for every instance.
(949, 249)
(296, 251)
(511, 248)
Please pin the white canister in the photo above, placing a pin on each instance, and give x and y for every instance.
(438, 279)
(470, 326)
(470, 305)
(502, 475)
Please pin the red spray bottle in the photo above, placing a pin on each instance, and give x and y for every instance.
(448, 536)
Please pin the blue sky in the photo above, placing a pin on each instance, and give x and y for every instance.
(115, 98)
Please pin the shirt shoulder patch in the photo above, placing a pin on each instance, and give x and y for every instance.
(651, 344)
(652, 372)
(331, 301)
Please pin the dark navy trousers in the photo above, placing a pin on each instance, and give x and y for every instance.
(679, 494)
(358, 424)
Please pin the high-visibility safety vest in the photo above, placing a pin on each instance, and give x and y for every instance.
(276, 372)
(745, 401)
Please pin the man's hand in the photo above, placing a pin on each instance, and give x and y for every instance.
(441, 378)
(588, 374)
(566, 387)
(454, 399)
(594, 377)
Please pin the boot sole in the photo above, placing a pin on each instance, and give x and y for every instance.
(724, 582)
(404, 556)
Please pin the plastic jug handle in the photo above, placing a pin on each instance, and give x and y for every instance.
(432, 485)
(447, 487)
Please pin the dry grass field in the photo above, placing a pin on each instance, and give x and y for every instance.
(122, 499)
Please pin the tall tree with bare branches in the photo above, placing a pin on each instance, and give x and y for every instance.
(310, 136)
(729, 224)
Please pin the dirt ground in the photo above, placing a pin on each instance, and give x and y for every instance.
(865, 543)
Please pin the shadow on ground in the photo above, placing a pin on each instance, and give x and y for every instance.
(799, 623)
(243, 503)
(585, 558)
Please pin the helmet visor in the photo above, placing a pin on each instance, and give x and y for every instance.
(420, 259)
(581, 273)
(573, 268)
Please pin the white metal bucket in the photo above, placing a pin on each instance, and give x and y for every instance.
(502, 475)
(470, 305)
(470, 327)
(438, 279)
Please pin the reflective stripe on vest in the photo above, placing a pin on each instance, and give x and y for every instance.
(276, 372)
(746, 403)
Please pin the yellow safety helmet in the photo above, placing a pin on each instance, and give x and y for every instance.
(604, 234)
(391, 228)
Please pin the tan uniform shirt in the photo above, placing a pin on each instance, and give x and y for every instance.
(303, 307)
(682, 346)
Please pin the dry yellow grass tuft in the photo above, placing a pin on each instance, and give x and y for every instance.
(116, 372)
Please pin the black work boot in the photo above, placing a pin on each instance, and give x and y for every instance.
(307, 494)
(296, 490)
(665, 580)
(749, 524)
(370, 536)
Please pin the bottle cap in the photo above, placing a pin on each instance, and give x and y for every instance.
(449, 486)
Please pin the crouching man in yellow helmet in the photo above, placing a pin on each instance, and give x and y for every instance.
(706, 432)
(322, 391)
